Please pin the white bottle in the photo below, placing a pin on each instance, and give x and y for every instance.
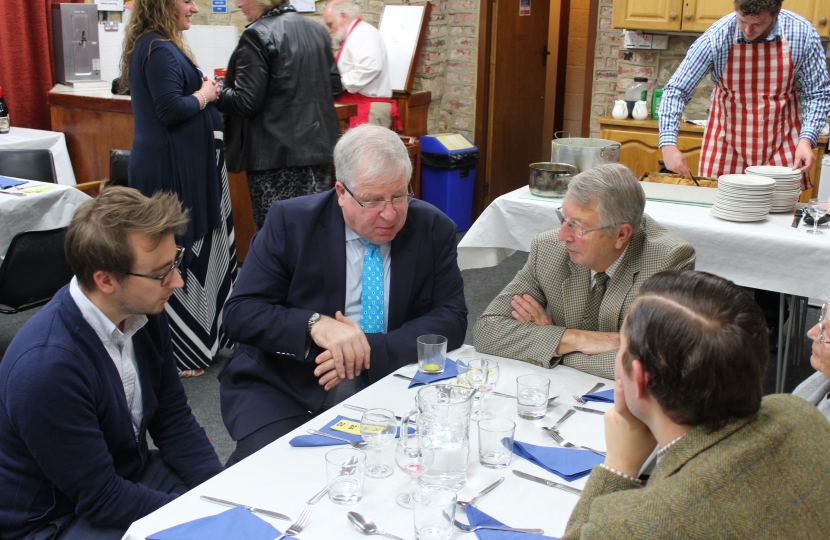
(620, 110)
(640, 110)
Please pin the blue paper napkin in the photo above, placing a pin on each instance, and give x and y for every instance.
(606, 396)
(234, 523)
(319, 440)
(568, 463)
(476, 517)
(6, 182)
(450, 372)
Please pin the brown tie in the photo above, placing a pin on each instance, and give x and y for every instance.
(590, 319)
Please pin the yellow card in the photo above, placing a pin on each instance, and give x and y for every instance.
(453, 141)
(347, 426)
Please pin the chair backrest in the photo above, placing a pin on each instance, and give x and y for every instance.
(119, 163)
(29, 165)
(34, 268)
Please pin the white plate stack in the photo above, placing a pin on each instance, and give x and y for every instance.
(743, 197)
(787, 185)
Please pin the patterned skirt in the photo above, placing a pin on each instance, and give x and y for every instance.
(272, 185)
(195, 310)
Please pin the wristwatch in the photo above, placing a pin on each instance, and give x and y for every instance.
(311, 320)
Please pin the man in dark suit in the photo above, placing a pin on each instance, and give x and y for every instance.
(335, 291)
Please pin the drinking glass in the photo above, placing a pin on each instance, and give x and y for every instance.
(378, 428)
(345, 479)
(816, 208)
(532, 396)
(495, 442)
(485, 375)
(433, 509)
(432, 354)
(414, 456)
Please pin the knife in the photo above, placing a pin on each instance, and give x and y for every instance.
(549, 483)
(362, 409)
(588, 409)
(249, 508)
(398, 375)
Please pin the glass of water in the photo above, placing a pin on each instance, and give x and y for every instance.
(532, 396)
(378, 428)
(495, 442)
(816, 209)
(483, 376)
(345, 468)
(414, 456)
(433, 509)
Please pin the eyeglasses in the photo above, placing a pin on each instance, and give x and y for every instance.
(163, 278)
(822, 325)
(578, 231)
(376, 206)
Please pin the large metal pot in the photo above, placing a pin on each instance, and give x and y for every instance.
(550, 179)
(582, 152)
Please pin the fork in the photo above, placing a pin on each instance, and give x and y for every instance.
(298, 525)
(591, 391)
(469, 528)
(555, 427)
(567, 444)
(355, 444)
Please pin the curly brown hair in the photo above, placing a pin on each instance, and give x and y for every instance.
(159, 16)
(757, 7)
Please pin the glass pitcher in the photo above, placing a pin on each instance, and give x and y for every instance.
(443, 415)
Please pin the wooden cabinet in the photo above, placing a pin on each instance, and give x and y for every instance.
(669, 16)
(815, 11)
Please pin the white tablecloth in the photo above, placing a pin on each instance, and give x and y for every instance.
(768, 255)
(282, 478)
(37, 211)
(36, 139)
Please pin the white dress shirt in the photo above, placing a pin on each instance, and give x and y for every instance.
(119, 345)
(363, 65)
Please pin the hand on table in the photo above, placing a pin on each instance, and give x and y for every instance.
(675, 161)
(588, 342)
(345, 341)
(628, 440)
(804, 157)
(527, 309)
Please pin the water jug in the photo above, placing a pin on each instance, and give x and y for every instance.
(443, 412)
(620, 110)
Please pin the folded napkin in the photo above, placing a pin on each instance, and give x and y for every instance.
(568, 463)
(6, 182)
(234, 523)
(606, 396)
(319, 440)
(450, 372)
(477, 517)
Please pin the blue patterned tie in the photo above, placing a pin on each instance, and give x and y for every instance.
(371, 297)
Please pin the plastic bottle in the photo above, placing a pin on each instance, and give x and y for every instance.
(636, 91)
(656, 98)
(5, 123)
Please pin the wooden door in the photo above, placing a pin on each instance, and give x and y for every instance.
(699, 15)
(517, 95)
(649, 14)
(815, 11)
(805, 8)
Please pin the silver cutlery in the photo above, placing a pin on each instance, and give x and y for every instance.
(588, 409)
(295, 528)
(549, 483)
(469, 528)
(550, 400)
(367, 526)
(248, 508)
(329, 435)
(318, 496)
(362, 409)
(591, 391)
(398, 375)
(480, 494)
(567, 444)
(12, 193)
(555, 427)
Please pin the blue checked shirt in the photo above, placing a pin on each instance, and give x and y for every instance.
(710, 53)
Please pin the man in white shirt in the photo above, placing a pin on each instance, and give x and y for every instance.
(363, 65)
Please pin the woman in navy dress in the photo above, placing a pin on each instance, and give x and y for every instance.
(178, 147)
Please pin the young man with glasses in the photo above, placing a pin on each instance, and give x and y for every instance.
(335, 291)
(816, 388)
(568, 302)
(91, 374)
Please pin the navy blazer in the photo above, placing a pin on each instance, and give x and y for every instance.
(66, 438)
(297, 266)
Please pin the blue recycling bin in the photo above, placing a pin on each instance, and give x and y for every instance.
(448, 173)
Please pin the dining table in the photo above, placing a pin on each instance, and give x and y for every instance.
(283, 478)
(38, 139)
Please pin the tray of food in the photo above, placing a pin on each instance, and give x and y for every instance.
(677, 188)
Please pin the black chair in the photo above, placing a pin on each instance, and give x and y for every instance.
(29, 165)
(33, 270)
(119, 164)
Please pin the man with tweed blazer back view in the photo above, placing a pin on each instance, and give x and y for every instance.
(568, 302)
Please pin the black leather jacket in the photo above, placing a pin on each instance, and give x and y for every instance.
(278, 95)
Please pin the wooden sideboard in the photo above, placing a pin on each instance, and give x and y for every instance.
(639, 140)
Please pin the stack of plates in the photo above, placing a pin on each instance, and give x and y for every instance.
(787, 185)
(743, 197)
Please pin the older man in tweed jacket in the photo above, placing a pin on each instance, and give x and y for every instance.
(567, 304)
(730, 464)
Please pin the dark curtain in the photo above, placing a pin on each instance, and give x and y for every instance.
(27, 60)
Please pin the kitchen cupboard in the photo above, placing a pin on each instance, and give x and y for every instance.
(815, 11)
(670, 16)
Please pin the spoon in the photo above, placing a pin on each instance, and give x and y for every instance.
(354, 444)
(367, 526)
(348, 467)
(482, 493)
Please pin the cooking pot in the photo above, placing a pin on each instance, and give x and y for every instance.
(550, 179)
(582, 152)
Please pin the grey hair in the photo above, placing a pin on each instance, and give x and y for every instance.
(613, 192)
(270, 4)
(374, 153)
(346, 7)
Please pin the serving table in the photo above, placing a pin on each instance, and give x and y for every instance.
(37, 139)
(282, 478)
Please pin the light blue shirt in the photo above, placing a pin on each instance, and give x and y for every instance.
(355, 253)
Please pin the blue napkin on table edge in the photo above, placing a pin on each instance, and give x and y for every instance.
(575, 463)
(450, 372)
(6, 182)
(476, 517)
(234, 523)
(319, 440)
(606, 396)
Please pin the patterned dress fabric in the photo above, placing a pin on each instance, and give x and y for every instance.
(371, 296)
(272, 185)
